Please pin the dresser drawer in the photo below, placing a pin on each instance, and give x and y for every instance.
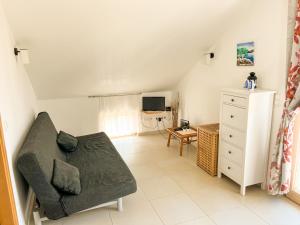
(231, 170)
(233, 136)
(232, 153)
(234, 116)
(234, 100)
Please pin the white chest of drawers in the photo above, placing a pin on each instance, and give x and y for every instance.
(245, 125)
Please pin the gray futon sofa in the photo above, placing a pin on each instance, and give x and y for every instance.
(104, 176)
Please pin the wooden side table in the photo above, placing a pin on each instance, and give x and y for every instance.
(185, 137)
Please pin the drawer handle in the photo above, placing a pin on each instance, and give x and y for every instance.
(229, 152)
(229, 167)
(232, 100)
(230, 135)
(231, 116)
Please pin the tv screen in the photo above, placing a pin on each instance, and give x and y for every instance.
(154, 104)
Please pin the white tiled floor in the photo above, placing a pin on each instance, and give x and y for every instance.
(173, 190)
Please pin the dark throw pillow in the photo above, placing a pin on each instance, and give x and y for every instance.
(66, 141)
(66, 178)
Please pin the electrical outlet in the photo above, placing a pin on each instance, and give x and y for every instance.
(159, 119)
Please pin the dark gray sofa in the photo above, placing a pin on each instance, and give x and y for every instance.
(104, 176)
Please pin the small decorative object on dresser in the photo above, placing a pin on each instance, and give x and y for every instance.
(245, 125)
(251, 82)
(207, 155)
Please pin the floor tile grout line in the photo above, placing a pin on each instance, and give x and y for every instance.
(211, 219)
(248, 208)
(168, 195)
(109, 214)
(156, 213)
(242, 204)
(179, 193)
(162, 197)
(251, 210)
(184, 191)
(187, 221)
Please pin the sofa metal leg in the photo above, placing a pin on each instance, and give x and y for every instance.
(37, 218)
(120, 204)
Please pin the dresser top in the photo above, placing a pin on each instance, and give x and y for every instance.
(244, 91)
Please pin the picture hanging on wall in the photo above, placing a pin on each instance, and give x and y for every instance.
(245, 54)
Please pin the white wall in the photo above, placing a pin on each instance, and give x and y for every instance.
(77, 116)
(265, 22)
(115, 46)
(17, 108)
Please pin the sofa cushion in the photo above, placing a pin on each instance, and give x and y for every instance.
(66, 141)
(104, 175)
(66, 177)
(35, 162)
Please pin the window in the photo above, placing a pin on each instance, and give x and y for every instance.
(119, 115)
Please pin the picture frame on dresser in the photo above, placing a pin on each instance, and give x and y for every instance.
(245, 127)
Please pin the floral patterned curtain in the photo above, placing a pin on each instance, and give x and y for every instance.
(281, 162)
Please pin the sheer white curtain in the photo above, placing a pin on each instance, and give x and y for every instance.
(119, 115)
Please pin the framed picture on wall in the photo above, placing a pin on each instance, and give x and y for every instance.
(245, 54)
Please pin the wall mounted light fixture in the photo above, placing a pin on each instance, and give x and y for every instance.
(209, 57)
(24, 54)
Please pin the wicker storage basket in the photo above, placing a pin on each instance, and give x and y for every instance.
(207, 156)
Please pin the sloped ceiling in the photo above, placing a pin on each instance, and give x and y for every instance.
(95, 47)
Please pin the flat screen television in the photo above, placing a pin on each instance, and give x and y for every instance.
(154, 104)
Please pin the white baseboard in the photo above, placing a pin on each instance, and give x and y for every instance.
(144, 133)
